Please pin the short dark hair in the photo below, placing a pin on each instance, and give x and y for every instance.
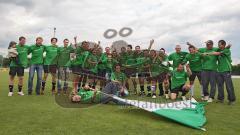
(190, 46)
(20, 38)
(137, 46)
(53, 39)
(130, 46)
(182, 64)
(222, 42)
(39, 38)
(145, 50)
(117, 65)
(65, 39)
(84, 42)
(153, 51)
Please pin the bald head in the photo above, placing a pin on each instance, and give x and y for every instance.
(178, 48)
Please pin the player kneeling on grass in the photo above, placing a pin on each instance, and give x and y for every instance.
(179, 79)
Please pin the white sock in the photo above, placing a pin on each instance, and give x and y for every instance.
(192, 90)
(153, 88)
(201, 90)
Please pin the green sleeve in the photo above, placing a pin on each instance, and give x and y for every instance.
(124, 77)
(103, 58)
(201, 50)
(86, 54)
(185, 60)
(71, 49)
(170, 57)
(215, 49)
(113, 77)
(226, 52)
(30, 49)
(186, 76)
(44, 48)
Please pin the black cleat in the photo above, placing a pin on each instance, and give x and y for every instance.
(149, 94)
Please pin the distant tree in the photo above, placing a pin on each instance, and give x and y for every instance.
(1, 60)
(236, 69)
(5, 62)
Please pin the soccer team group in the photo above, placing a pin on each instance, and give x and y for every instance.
(114, 71)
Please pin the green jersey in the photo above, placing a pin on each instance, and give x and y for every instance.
(142, 64)
(103, 59)
(122, 57)
(156, 68)
(23, 51)
(78, 61)
(209, 62)
(37, 54)
(224, 61)
(110, 65)
(178, 78)
(177, 58)
(129, 55)
(87, 96)
(64, 56)
(137, 55)
(92, 61)
(51, 55)
(195, 61)
(118, 76)
(130, 61)
(85, 56)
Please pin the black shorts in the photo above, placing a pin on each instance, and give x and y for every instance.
(194, 75)
(50, 69)
(130, 72)
(101, 73)
(19, 71)
(178, 89)
(85, 71)
(159, 77)
(76, 69)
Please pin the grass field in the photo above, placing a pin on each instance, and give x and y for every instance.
(42, 115)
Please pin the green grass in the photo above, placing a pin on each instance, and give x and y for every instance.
(42, 115)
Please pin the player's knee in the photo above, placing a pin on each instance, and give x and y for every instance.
(187, 87)
(173, 96)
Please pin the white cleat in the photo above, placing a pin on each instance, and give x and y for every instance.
(184, 98)
(205, 98)
(20, 93)
(167, 96)
(154, 96)
(10, 94)
(210, 100)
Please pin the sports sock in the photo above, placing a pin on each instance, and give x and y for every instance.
(53, 86)
(192, 90)
(19, 88)
(141, 88)
(10, 88)
(149, 89)
(43, 85)
(160, 87)
(153, 88)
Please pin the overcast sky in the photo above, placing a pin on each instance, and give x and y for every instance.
(169, 22)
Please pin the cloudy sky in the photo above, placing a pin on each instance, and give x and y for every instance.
(169, 22)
